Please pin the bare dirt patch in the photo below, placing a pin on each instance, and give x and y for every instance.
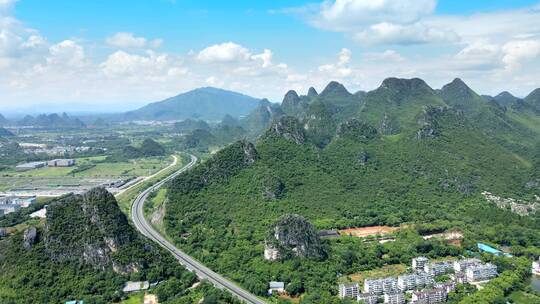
(368, 231)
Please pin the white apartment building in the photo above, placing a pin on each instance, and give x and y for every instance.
(380, 286)
(461, 265)
(394, 298)
(432, 296)
(368, 298)
(414, 281)
(481, 272)
(419, 263)
(349, 290)
(438, 268)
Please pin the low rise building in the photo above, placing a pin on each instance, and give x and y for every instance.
(1, 212)
(349, 290)
(30, 166)
(279, 287)
(23, 201)
(368, 298)
(136, 286)
(394, 298)
(461, 265)
(9, 208)
(328, 234)
(431, 296)
(481, 272)
(61, 163)
(380, 286)
(419, 263)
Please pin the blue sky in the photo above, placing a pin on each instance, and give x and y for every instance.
(113, 55)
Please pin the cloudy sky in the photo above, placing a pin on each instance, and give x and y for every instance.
(112, 55)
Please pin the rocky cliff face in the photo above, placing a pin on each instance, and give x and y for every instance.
(88, 229)
(272, 187)
(292, 236)
(288, 128)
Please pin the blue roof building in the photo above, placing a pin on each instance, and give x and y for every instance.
(491, 250)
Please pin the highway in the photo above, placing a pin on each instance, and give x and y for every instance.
(203, 272)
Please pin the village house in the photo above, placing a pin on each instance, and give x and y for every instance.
(278, 287)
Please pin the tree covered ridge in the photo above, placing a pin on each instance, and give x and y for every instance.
(403, 155)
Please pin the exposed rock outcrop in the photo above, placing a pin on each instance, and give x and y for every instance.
(272, 187)
(88, 229)
(292, 236)
(388, 125)
(431, 121)
(29, 238)
(289, 128)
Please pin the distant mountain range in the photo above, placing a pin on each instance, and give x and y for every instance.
(204, 103)
(54, 120)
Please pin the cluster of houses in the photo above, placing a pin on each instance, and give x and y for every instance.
(41, 164)
(32, 148)
(9, 204)
(420, 284)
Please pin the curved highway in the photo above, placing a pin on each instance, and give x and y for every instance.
(203, 272)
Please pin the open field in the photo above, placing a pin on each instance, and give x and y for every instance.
(368, 231)
(87, 173)
(385, 271)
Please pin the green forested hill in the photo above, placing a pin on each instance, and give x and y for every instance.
(410, 155)
(203, 103)
(86, 250)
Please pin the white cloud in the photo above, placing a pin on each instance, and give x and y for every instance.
(224, 52)
(518, 52)
(265, 58)
(390, 33)
(153, 66)
(5, 6)
(340, 69)
(341, 15)
(126, 40)
(381, 21)
(68, 53)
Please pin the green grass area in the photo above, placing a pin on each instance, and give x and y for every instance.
(153, 205)
(137, 167)
(137, 298)
(82, 173)
(126, 198)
